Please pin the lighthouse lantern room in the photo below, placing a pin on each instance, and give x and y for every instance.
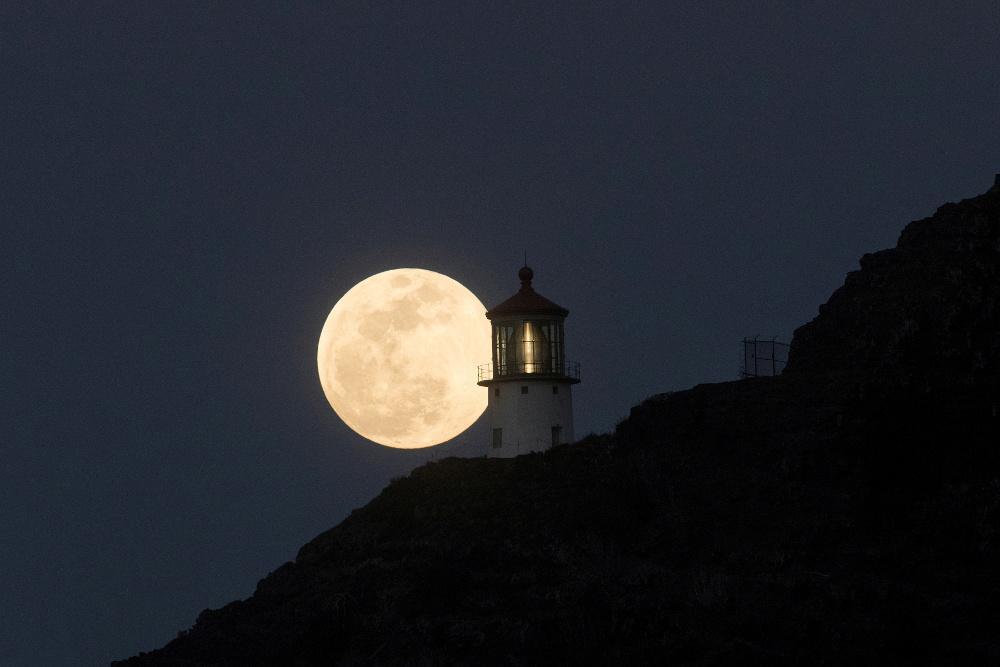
(530, 405)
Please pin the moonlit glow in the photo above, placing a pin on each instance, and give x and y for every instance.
(398, 354)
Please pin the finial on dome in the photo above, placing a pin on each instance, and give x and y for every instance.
(525, 275)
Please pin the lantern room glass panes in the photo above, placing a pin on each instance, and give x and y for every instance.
(528, 346)
(532, 348)
(503, 335)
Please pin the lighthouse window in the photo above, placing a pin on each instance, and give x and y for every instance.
(533, 347)
(524, 389)
(556, 432)
(555, 389)
(503, 334)
(552, 334)
(497, 438)
(526, 349)
(496, 391)
(556, 347)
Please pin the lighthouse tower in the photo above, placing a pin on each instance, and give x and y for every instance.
(530, 404)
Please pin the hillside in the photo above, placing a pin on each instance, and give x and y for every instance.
(848, 510)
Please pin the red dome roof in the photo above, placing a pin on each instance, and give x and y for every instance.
(527, 301)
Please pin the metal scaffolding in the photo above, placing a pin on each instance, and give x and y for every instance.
(763, 357)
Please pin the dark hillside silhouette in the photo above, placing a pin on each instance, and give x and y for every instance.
(845, 511)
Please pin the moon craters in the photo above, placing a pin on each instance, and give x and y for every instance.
(398, 354)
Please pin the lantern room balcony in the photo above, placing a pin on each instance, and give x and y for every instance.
(565, 371)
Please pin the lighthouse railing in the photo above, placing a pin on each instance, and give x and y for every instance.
(570, 369)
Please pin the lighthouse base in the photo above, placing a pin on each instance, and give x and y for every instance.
(528, 415)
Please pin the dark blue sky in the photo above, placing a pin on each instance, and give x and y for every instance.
(187, 189)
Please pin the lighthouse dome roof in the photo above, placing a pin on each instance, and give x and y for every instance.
(526, 301)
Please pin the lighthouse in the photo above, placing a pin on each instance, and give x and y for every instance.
(530, 406)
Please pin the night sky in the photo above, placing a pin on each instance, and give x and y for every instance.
(187, 189)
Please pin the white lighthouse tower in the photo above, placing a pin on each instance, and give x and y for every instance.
(529, 380)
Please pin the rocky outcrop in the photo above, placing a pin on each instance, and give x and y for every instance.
(847, 511)
(922, 316)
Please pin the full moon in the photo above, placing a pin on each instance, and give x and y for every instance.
(398, 354)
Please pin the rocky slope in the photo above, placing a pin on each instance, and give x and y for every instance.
(848, 510)
(919, 316)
